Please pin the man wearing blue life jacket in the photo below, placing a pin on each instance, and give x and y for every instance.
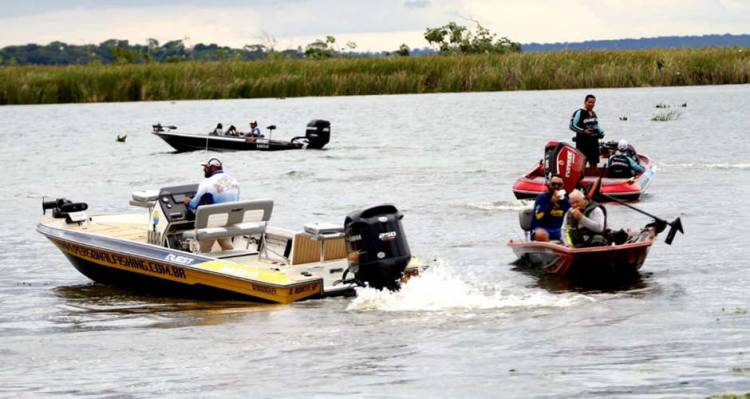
(586, 125)
(549, 209)
(218, 187)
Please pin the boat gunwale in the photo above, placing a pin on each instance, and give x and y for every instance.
(205, 259)
(575, 251)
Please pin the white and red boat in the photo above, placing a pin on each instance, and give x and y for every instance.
(592, 264)
(568, 162)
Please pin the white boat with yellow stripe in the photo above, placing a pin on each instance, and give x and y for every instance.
(157, 249)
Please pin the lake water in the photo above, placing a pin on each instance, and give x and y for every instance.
(469, 327)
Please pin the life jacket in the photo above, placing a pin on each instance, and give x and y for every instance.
(619, 166)
(588, 120)
(580, 236)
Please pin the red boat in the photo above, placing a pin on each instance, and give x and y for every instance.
(565, 160)
(604, 263)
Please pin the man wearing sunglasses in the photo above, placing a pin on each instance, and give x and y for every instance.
(549, 209)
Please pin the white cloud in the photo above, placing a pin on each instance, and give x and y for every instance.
(373, 25)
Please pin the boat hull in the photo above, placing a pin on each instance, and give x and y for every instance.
(605, 263)
(192, 142)
(135, 265)
(530, 185)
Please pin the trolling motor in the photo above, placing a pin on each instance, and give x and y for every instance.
(62, 208)
(377, 247)
(158, 128)
(317, 134)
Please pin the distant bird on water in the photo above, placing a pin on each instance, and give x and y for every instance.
(121, 139)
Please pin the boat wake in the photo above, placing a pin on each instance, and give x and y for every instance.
(715, 166)
(514, 205)
(438, 290)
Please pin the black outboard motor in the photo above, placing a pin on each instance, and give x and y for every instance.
(318, 133)
(63, 208)
(377, 247)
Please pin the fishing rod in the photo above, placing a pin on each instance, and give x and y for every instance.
(675, 225)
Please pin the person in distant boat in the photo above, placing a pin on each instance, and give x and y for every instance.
(624, 162)
(586, 125)
(218, 187)
(218, 130)
(585, 223)
(254, 130)
(549, 209)
(254, 133)
(232, 131)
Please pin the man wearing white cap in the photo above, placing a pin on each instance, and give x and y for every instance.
(624, 163)
(216, 188)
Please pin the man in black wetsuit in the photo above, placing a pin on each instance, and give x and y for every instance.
(588, 133)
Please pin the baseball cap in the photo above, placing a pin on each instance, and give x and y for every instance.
(212, 162)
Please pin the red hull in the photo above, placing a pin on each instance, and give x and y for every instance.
(583, 263)
(532, 183)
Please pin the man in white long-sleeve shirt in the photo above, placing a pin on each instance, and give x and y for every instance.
(584, 223)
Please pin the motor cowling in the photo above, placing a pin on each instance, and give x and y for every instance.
(377, 247)
(318, 133)
(564, 160)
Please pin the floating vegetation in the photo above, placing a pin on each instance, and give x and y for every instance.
(284, 78)
(670, 115)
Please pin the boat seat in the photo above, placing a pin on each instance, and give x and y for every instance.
(231, 219)
(144, 198)
(524, 218)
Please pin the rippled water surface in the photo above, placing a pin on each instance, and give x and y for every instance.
(469, 327)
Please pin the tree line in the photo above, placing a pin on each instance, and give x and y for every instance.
(451, 38)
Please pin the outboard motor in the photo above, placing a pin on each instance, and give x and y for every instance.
(377, 247)
(62, 208)
(566, 161)
(318, 133)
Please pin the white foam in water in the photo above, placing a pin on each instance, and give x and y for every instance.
(500, 205)
(439, 290)
(708, 165)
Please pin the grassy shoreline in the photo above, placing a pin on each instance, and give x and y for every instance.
(359, 76)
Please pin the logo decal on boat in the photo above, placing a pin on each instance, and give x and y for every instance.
(387, 236)
(183, 260)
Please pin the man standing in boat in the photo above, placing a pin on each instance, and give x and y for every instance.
(585, 222)
(584, 122)
(218, 187)
(549, 209)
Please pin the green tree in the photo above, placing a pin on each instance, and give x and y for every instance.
(403, 50)
(320, 49)
(455, 38)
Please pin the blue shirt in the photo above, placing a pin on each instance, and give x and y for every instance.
(548, 216)
(216, 189)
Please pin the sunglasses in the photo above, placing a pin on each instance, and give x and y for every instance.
(556, 185)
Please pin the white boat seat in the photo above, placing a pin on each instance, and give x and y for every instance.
(144, 198)
(231, 219)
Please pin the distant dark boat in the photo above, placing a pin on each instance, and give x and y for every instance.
(317, 135)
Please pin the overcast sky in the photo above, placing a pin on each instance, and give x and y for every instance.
(372, 25)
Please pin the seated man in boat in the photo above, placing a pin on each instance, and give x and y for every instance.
(624, 162)
(586, 125)
(218, 130)
(218, 187)
(549, 209)
(254, 132)
(585, 222)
